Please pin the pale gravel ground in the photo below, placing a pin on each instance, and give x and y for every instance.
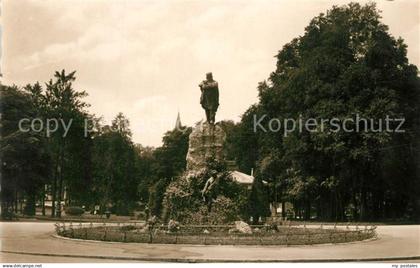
(36, 237)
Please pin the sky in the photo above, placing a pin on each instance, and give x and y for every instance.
(146, 58)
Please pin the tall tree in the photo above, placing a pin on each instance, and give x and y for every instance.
(23, 151)
(115, 173)
(170, 163)
(63, 103)
(345, 65)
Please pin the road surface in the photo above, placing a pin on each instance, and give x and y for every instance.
(34, 242)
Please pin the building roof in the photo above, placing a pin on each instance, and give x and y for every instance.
(242, 178)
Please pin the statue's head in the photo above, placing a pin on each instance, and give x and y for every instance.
(209, 76)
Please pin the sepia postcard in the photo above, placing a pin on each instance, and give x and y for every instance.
(219, 133)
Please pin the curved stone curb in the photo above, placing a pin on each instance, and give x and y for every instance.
(197, 260)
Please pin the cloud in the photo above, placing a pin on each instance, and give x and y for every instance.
(146, 58)
(144, 103)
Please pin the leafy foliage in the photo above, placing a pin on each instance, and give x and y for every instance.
(185, 203)
(345, 64)
(24, 159)
(74, 211)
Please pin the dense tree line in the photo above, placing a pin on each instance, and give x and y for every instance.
(85, 162)
(345, 64)
(170, 162)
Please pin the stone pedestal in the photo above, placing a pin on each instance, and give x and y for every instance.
(195, 199)
(206, 141)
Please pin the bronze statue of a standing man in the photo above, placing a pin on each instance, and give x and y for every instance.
(209, 97)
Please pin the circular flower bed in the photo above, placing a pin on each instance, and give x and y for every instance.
(217, 235)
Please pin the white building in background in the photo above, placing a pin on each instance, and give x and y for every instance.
(242, 178)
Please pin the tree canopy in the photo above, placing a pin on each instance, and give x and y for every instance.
(345, 64)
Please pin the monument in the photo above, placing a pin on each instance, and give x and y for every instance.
(209, 97)
(205, 192)
(207, 137)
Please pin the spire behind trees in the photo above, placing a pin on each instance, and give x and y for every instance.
(178, 124)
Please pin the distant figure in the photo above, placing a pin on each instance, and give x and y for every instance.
(209, 97)
(207, 193)
(96, 210)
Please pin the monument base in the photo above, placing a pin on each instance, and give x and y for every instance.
(205, 142)
(205, 193)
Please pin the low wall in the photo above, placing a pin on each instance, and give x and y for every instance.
(287, 235)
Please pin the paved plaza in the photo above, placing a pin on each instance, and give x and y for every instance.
(35, 242)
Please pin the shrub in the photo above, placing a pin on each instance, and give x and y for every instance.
(74, 211)
(8, 215)
(173, 226)
(141, 215)
(183, 200)
(156, 195)
(127, 228)
(29, 210)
